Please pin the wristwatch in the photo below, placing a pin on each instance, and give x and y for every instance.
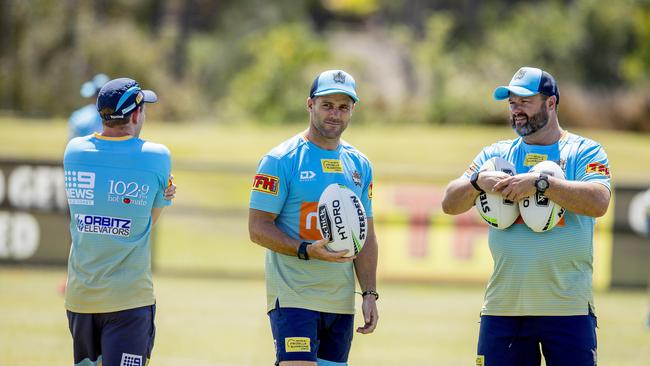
(370, 292)
(541, 183)
(302, 251)
(474, 180)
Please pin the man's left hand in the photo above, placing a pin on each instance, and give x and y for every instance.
(370, 315)
(170, 191)
(517, 187)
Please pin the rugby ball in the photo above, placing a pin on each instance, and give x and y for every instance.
(342, 219)
(538, 212)
(497, 211)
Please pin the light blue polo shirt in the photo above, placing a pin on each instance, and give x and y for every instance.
(112, 184)
(289, 182)
(547, 273)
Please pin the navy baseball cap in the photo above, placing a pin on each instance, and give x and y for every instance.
(527, 82)
(334, 82)
(119, 97)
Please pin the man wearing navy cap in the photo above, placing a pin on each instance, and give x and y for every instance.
(117, 185)
(540, 292)
(310, 290)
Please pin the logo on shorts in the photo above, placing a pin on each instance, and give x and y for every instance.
(103, 225)
(480, 360)
(131, 360)
(297, 344)
(266, 184)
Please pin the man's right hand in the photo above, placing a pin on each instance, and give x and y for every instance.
(488, 179)
(318, 250)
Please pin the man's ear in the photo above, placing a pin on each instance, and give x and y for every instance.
(553, 102)
(310, 104)
(133, 118)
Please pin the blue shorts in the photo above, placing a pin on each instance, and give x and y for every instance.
(516, 340)
(121, 338)
(307, 335)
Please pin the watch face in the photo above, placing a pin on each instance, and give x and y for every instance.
(542, 184)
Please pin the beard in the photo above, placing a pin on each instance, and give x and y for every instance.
(330, 131)
(533, 123)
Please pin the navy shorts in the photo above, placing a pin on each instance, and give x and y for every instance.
(307, 335)
(121, 338)
(516, 340)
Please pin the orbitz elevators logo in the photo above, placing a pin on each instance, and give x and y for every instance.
(103, 225)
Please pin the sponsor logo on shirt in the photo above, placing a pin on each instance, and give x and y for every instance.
(331, 165)
(309, 221)
(129, 193)
(532, 159)
(307, 176)
(598, 168)
(370, 191)
(297, 344)
(472, 168)
(103, 225)
(266, 184)
(131, 360)
(80, 187)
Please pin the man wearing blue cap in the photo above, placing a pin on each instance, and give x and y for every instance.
(85, 120)
(310, 290)
(540, 292)
(117, 185)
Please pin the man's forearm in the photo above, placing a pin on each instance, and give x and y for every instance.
(269, 236)
(365, 265)
(459, 197)
(582, 198)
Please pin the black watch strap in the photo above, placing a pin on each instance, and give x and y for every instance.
(541, 183)
(370, 292)
(473, 179)
(302, 251)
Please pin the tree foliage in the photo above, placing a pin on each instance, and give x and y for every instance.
(254, 60)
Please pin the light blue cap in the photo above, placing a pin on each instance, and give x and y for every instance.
(91, 87)
(527, 82)
(334, 82)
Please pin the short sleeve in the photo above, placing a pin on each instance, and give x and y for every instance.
(366, 194)
(269, 191)
(592, 165)
(478, 161)
(164, 181)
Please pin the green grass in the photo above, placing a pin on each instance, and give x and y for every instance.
(220, 322)
(403, 153)
(206, 321)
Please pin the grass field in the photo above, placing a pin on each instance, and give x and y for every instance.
(218, 318)
(219, 322)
